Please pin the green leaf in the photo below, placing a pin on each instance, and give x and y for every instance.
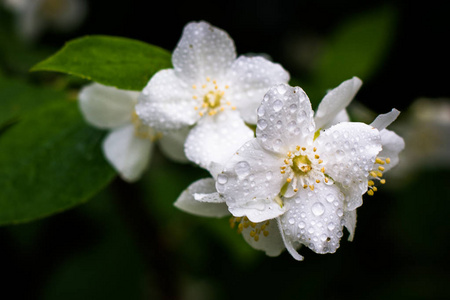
(124, 63)
(49, 162)
(18, 98)
(356, 48)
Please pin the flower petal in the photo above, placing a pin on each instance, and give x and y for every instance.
(128, 154)
(187, 202)
(166, 104)
(285, 119)
(350, 223)
(105, 106)
(335, 101)
(392, 145)
(251, 182)
(288, 243)
(172, 144)
(216, 138)
(202, 51)
(348, 151)
(250, 79)
(272, 243)
(384, 120)
(314, 218)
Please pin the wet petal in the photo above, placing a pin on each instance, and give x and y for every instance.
(105, 106)
(285, 119)
(216, 138)
(166, 103)
(251, 182)
(314, 218)
(335, 101)
(214, 207)
(392, 145)
(250, 78)
(172, 144)
(348, 151)
(384, 120)
(269, 239)
(202, 51)
(128, 154)
(350, 223)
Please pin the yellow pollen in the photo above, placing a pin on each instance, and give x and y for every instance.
(317, 180)
(326, 180)
(282, 171)
(370, 192)
(379, 174)
(196, 108)
(371, 183)
(374, 189)
(383, 181)
(314, 149)
(283, 167)
(322, 170)
(201, 114)
(289, 179)
(289, 154)
(311, 187)
(216, 87)
(252, 233)
(320, 161)
(295, 190)
(256, 238)
(373, 174)
(379, 161)
(297, 148)
(388, 160)
(227, 87)
(305, 186)
(204, 86)
(316, 156)
(194, 97)
(222, 108)
(233, 107)
(286, 161)
(228, 103)
(265, 233)
(303, 148)
(381, 168)
(194, 86)
(208, 79)
(214, 81)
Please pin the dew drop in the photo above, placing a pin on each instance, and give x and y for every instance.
(261, 111)
(222, 178)
(318, 209)
(277, 105)
(242, 169)
(293, 108)
(301, 225)
(281, 89)
(291, 221)
(269, 175)
(331, 226)
(262, 124)
(330, 198)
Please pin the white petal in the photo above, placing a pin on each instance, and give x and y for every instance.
(128, 153)
(251, 182)
(348, 151)
(187, 202)
(285, 119)
(288, 243)
(392, 145)
(105, 106)
(172, 144)
(350, 223)
(272, 244)
(216, 138)
(384, 120)
(166, 103)
(342, 116)
(313, 218)
(250, 79)
(335, 101)
(203, 51)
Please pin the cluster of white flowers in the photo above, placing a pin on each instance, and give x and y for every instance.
(298, 182)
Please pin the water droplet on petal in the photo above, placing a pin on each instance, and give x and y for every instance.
(277, 105)
(261, 111)
(318, 209)
(330, 198)
(331, 226)
(269, 175)
(301, 225)
(242, 169)
(281, 89)
(291, 221)
(262, 124)
(222, 178)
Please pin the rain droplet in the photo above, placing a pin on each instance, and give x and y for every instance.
(222, 178)
(331, 226)
(330, 198)
(269, 175)
(318, 209)
(293, 108)
(281, 89)
(242, 169)
(261, 110)
(262, 124)
(301, 225)
(277, 105)
(291, 221)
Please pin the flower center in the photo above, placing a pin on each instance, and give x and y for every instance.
(303, 169)
(211, 97)
(143, 131)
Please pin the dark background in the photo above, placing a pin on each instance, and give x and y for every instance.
(103, 250)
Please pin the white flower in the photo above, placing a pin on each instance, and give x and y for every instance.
(310, 181)
(35, 16)
(129, 144)
(211, 91)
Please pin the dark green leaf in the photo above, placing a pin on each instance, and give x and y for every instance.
(49, 162)
(124, 63)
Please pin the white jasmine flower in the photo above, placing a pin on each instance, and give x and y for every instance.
(210, 91)
(129, 144)
(310, 181)
(35, 16)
